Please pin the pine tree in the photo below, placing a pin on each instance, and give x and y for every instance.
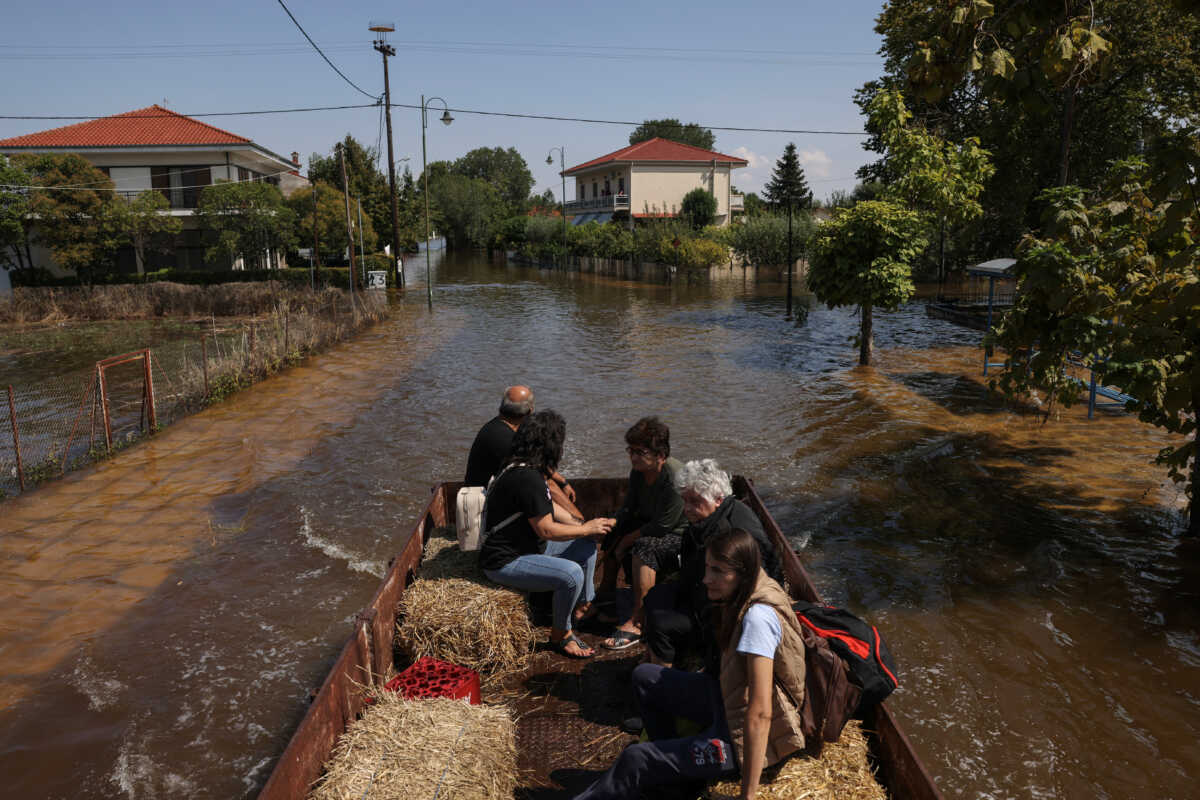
(787, 185)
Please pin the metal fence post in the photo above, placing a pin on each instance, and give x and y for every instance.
(150, 392)
(12, 416)
(104, 409)
(286, 316)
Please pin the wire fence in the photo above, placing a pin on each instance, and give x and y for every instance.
(57, 424)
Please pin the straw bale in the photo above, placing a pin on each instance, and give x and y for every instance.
(841, 773)
(459, 616)
(401, 749)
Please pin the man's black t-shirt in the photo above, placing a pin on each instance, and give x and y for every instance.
(488, 452)
(521, 490)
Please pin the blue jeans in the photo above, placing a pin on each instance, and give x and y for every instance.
(664, 694)
(566, 568)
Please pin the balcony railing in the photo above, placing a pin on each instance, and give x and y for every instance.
(185, 197)
(613, 202)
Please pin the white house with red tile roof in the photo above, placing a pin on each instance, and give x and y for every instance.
(649, 179)
(156, 148)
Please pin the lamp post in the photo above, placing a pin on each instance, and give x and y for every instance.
(446, 120)
(385, 49)
(562, 171)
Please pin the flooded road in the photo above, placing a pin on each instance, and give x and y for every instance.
(167, 612)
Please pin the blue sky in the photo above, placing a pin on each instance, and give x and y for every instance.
(792, 65)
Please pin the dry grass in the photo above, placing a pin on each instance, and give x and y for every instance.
(402, 749)
(145, 301)
(841, 773)
(454, 614)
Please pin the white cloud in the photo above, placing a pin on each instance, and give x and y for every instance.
(754, 158)
(816, 163)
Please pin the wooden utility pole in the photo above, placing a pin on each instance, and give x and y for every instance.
(386, 50)
(316, 259)
(349, 227)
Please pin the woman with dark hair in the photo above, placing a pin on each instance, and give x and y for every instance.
(520, 517)
(750, 716)
(650, 524)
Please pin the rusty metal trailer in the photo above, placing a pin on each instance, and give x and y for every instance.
(369, 652)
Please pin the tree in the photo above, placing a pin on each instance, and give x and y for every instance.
(504, 169)
(941, 179)
(788, 187)
(863, 257)
(762, 240)
(676, 131)
(80, 225)
(249, 219)
(469, 209)
(147, 224)
(366, 182)
(331, 219)
(1112, 281)
(699, 208)
(15, 219)
(1030, 79)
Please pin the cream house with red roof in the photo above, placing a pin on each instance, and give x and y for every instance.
(649, 179)
(156, 148)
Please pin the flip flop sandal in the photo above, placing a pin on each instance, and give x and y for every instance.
(560, 647)
(621, 639)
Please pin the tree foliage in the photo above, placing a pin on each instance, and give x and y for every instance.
(147, 224)
(788, 186)
(1112, 281)
(365, 179)
(863, 257)
(1031, 79)
(503, 169)
(674, 130)
(14, 215)
(763, 240)
(699, 208)
(82, 225)
(469, 209)
(330, 219)
(248, 218)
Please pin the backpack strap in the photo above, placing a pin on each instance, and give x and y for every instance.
(487, 492)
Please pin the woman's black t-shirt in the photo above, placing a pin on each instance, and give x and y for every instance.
(521, 490)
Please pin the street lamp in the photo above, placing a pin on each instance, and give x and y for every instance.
(446, 120)
(562, 171)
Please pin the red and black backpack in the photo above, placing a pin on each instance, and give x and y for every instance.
(857, 643)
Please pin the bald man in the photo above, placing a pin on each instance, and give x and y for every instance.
(494, 442)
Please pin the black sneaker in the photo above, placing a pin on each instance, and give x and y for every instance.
(632, 725)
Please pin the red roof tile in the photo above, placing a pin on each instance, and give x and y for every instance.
(145, 127)
(658, 149)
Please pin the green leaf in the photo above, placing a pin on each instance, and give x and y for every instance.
(1000, 63)
(974, 61)
(959, 16)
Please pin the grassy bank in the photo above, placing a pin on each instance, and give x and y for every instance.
(206, 343)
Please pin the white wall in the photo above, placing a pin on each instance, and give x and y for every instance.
(663, 187)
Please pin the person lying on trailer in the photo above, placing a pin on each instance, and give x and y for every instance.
(749, 717)
(649, 526)
(674, 609)
(521, 516)
(493, 444)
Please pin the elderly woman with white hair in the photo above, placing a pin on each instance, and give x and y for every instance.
(675, 611)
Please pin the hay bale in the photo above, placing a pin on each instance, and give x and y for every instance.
(455, 614)
(443, 559)
(401, 749)
(841, 773)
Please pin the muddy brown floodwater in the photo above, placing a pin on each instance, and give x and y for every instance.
(166, 613)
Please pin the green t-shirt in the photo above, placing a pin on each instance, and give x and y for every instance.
(657, 509)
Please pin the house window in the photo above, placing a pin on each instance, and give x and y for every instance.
(180, 185)
(607, 188)
(621, 185)
(594, 193)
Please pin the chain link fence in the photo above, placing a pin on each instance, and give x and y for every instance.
(56, 424)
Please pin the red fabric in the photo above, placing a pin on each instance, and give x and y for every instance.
(146, 126)
(659, 149)
(857, 646)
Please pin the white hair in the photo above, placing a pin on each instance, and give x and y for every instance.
(706, 478)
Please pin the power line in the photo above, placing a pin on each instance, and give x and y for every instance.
(511, 114)
(327, 61)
